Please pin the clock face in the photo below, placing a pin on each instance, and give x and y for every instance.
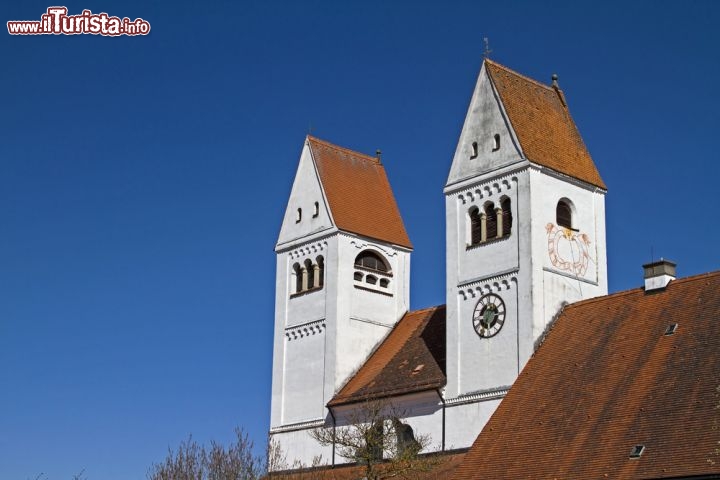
(489, 315)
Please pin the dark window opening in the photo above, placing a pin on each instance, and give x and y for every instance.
(384, 282)
(490, 221)
(636, 451)
(372, 261)
(496, 143)
(310, 274)
(358, 276)
(506, 217)
(321, 272)
(298, 215)
(316, 210)
(475, 228)
(298, 278)
(371, 279)
(563, 214)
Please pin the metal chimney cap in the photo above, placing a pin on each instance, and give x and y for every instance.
(660, 267)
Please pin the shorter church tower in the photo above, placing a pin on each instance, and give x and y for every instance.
(343, 270)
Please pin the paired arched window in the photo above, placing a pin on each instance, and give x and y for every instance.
(308, 276)
(371, 271)
(490, 223)
(563, 214)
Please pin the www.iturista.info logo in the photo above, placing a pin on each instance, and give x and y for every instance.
(56, 21)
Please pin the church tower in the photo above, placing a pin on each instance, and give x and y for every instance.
(525, 218)
(343, 270)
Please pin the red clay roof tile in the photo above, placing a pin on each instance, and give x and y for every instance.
(410, 359)
(546, 131)
(607, 378)
(358, 193)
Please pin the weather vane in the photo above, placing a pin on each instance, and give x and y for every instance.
(487, 51)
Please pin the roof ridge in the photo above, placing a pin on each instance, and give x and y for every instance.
(524, 77)
(623, 293)
(343, 149)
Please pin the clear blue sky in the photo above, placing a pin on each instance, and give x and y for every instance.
(143, 181)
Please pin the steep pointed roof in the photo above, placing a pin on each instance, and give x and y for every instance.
(608, 378)
(539, 116)
(358, 193)
(410, 359)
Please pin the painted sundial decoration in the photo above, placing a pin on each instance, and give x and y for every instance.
(568, 249)
(489, 315)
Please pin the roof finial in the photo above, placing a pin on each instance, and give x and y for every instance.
(486, 51)
(378, 155)
(555, 80)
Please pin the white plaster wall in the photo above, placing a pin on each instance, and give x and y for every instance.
(553, 287)
(422, 411)
(465, 422)
(300, 449)
(488, 363)
(304, 371)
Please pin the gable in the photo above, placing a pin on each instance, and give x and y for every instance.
(306, 192)
(607, 378)
(410, 359)
(476, 152)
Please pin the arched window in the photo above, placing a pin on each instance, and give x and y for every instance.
(474, 152)
(563, 214)
(496, 143)
(506, 216)
(371, 279)
(297, 271)
(384, 282)
(475, 226)
(298, 215)
(490, 221)
(316, 210)
(358, 276)
(310, 274)
(372, 261)
(321, 271)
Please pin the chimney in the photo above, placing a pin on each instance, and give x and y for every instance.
(658, 274)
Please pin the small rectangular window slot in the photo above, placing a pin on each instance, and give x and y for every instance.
(636, 451)
(671, 329)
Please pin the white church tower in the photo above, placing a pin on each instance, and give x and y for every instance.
(343, 269)
(525, 213)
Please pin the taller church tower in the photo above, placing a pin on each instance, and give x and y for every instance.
(525, 213)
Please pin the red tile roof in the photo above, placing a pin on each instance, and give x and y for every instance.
(606, 379)
(410, 359)
(358, 193)
(546, 131)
